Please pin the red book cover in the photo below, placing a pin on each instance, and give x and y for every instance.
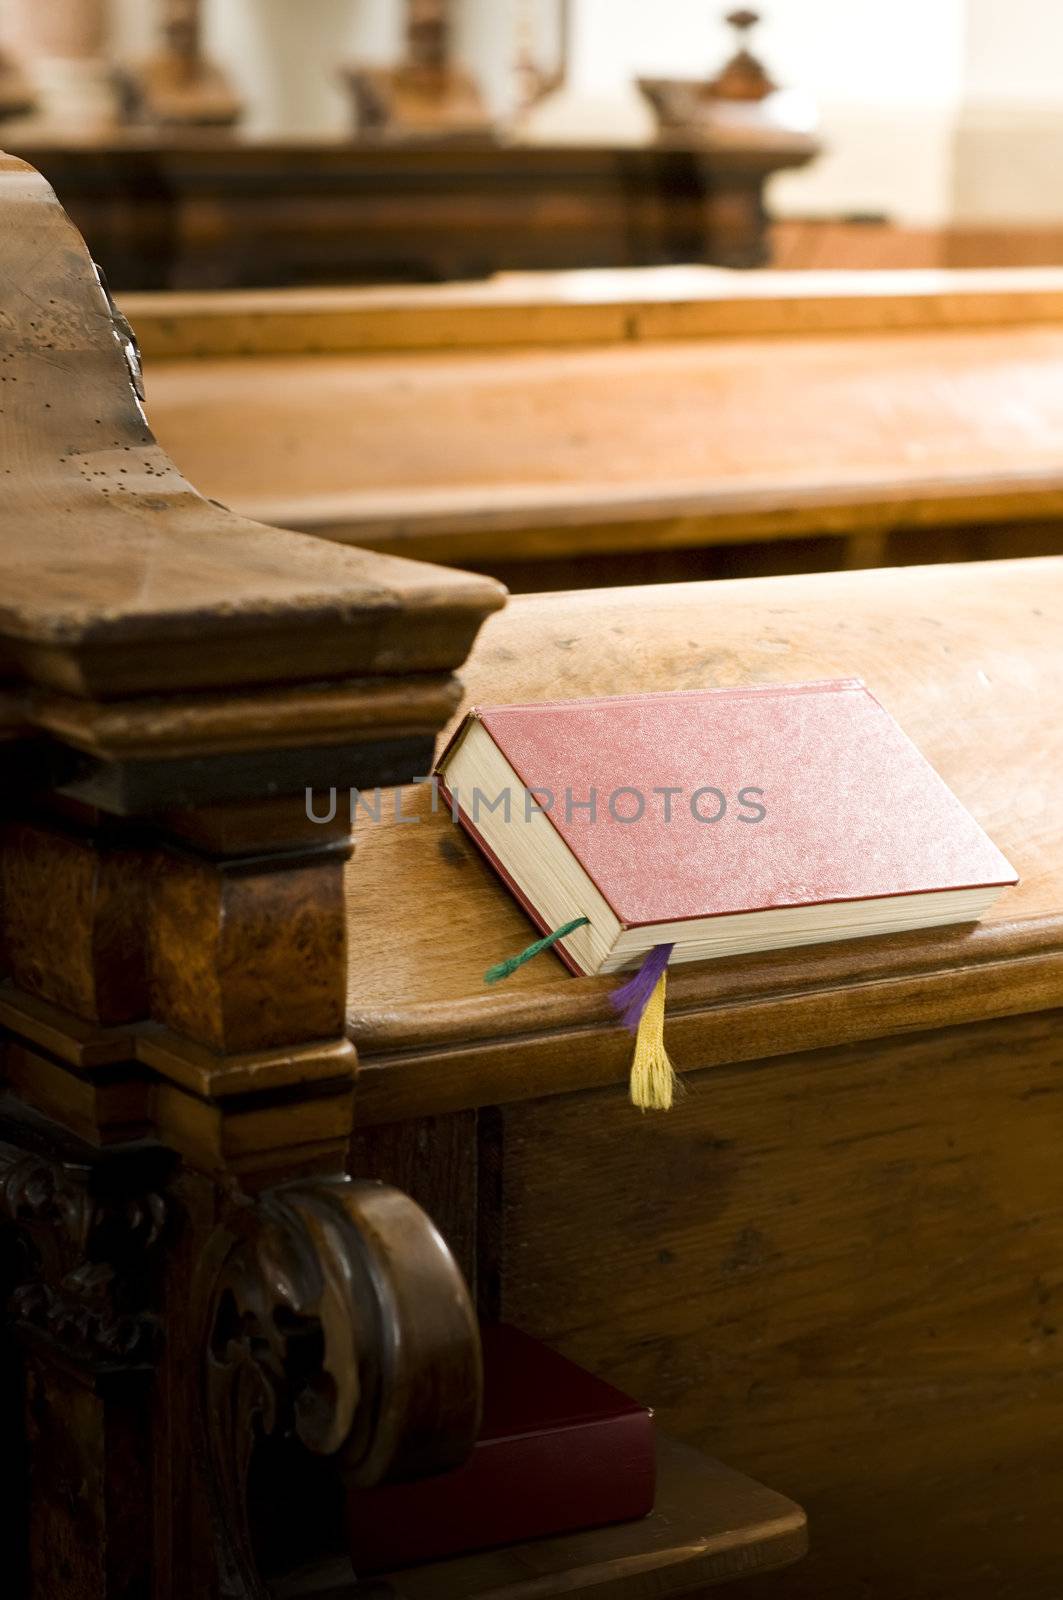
(781, 796)
(559, 1450)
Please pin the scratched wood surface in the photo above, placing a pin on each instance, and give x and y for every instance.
(607, 413)
(118, 574)
(841, 1272)
(969, 659)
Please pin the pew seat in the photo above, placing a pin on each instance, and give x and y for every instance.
(607, 427)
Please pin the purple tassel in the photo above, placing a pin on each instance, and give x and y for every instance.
(632, 999)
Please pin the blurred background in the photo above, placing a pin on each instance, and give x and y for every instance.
(835, 133)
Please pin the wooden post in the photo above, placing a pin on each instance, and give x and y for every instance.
(188, 1266)
(427, 34)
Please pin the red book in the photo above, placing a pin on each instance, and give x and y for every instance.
(717, 820)
(558, 1450)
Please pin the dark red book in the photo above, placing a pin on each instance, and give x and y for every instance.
(559, 1450)
(718, 821)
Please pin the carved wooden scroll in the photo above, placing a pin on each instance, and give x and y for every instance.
(338, 1314)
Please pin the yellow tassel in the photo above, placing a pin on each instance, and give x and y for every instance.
(654, 1084)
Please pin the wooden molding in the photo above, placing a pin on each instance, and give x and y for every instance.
(613, 306)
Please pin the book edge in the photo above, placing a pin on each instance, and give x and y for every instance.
(824, 685)
(811, 686)
(465, 822)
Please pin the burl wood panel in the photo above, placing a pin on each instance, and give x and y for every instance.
(246, 959)
(841, 1271)
(73, 921)
(88, 1449)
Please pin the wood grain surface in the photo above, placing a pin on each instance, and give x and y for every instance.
(968, 659)
(875, 243)
(841, 1272)
(176, 210)
(119, 576)
(515, 423)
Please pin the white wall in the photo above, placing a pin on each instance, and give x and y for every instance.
(887, 76)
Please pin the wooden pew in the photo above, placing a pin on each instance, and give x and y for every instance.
(563, 430)
(210, 1326)
(835, 1264)
(200, 210)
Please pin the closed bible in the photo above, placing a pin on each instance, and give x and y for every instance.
(717, 821)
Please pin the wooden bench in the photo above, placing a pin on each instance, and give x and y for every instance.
(196, 210)
(618, 427)
(203, 1305)
(835, 1265)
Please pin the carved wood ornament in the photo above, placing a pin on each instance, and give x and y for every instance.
(90, 1235)
(339, 1314)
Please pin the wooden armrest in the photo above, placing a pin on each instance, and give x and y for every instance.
(966, 658)
(123, 581)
